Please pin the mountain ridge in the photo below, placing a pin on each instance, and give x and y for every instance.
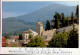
(25, 22)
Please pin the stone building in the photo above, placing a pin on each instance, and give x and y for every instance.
(39, 28)
(26, 34)
(46, 35)
(13, 40)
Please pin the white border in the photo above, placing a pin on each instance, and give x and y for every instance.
(40, 0)
(75, 51)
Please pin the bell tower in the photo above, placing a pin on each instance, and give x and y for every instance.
(39, 28)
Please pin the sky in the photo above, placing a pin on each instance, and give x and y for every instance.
(13, 9)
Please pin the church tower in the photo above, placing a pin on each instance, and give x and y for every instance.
(39, 28)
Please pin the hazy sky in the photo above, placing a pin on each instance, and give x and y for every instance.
(13, 9)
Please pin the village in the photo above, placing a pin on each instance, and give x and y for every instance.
(46, 35)
(61, 31)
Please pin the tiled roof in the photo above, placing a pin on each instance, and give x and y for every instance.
(16, 37)
(27, 31)
(4, 44)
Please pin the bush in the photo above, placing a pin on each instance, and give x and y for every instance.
(36, 42)
(59, 40)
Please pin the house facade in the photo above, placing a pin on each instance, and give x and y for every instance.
(26, 34)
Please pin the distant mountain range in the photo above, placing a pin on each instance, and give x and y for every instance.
(24, 22)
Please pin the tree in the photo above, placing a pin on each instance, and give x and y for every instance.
(59, 40)
(7, 37)
(73, 39)
(63, 20)
(72, 18)
(20, 37)
(66, 22)
(47, 25)
(77, 13)
(36, 42)
(56, 16)
(30, 36)
(58, 26)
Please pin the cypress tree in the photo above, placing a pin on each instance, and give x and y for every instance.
(77, 14)
(56, 16)
(63, 20)
(72, 20)
(47, 25)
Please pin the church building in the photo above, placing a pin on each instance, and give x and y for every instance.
(46, 35)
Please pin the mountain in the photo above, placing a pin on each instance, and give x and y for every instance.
(48, 12)
(24, 22)
(12, 25)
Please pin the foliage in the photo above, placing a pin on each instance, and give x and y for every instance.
(73, 39)
(30, 36)
(36, 42)
(77, 13)
(20, 37)
(72, 18)
(66, 22)
(47, 25)
(56, 16)
(59, 40)
(14, 46)
(63, 20)
(7, 37)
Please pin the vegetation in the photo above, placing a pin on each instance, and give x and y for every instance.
(63, 20)
(7, 37)
(20, 37)
(59, 40)
(47, 25)
(72, 20)
(14, 45)
(30, 36)
(77, 13)
(36, 42)
(64, 39)
(73, 39)
(57, 16)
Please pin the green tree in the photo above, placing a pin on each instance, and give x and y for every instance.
(30, 36)
(58, 26)
(59, 40)
(56, 16)
(47, 25)
(36, 42)
(72, 18)
(66, 22)
(63, 20)
(77, 13)
(7, 37)
(73, 39)
(20, 37)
